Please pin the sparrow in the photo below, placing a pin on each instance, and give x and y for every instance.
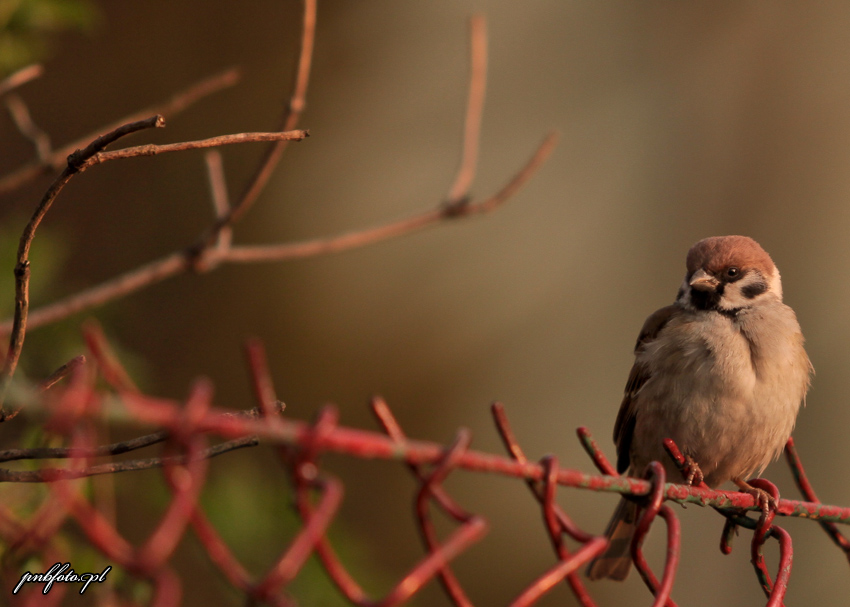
(722, 371)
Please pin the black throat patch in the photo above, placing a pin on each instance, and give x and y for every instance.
(706, 300)
(710, 300)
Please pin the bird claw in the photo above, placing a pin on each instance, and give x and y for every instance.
(766, 502)
(693, 474)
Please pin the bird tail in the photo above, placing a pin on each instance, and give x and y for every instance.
(616, 561)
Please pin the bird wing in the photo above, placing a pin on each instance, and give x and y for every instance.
(624, 427)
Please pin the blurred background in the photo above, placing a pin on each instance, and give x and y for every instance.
(678, 121)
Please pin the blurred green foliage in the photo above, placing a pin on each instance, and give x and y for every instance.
(237, 488)
(26, 26)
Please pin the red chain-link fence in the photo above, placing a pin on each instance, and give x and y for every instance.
(193, 432)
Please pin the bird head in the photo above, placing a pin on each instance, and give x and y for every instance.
(728, 274)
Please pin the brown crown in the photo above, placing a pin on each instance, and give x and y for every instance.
(719, 252)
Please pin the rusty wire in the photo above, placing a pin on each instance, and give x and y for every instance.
(188, 428)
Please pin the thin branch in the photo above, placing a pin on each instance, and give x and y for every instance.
(207, 254)
(181, 261)
(218, 194)
(46, 475)
(21, 117)
(139, 278)
(217, 181)
(351, 240)
(22, 76)
(61, 373)
(170, 108)
(140, 442)
(121, 447)
(79, 158)
(297, 103)
(474, 109)
(22, 266)
(152, 149)
(58, 375)
(298, 100)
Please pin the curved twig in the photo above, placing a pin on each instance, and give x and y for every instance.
(182, 261)
(76, 164)
(171, 108)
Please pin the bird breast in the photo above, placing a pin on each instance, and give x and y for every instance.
(726, 389)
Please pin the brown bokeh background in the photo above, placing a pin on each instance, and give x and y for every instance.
(677, 120)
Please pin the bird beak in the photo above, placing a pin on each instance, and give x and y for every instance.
(703, 281)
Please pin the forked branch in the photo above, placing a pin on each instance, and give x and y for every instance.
(214, 248)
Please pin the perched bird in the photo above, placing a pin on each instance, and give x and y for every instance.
(722, 372)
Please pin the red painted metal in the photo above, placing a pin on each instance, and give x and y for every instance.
(190, 425)
(808, 491)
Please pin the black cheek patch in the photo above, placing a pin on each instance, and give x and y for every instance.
(754, 289)
(680, 293)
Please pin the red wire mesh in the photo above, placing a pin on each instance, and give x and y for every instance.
(187, 430)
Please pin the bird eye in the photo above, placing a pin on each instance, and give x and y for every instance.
(732, 273)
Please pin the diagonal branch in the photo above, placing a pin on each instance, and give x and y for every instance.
(75, 165)
(170, 108)
(20, 114)
(211, 250)
(402, 227)
(19, 78)
(182, 261)
(292, 115)
(207, 254)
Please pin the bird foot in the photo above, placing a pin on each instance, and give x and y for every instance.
(693, 474)
(765, 500)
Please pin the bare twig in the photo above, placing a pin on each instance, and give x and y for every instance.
(292, 115)
(22, 267)
(139, 442)
(179, 262)
(22, 76)
(152, 149)
(118, 448)
(218, 193)
(298, 100)
(79, 161)
(474, 109)
(139, 278)
(218, 184)
(175, 105)
(58, 375)
(321, 246)
(46, 475)
(211, 250)
(21, 117)
(61, 373)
